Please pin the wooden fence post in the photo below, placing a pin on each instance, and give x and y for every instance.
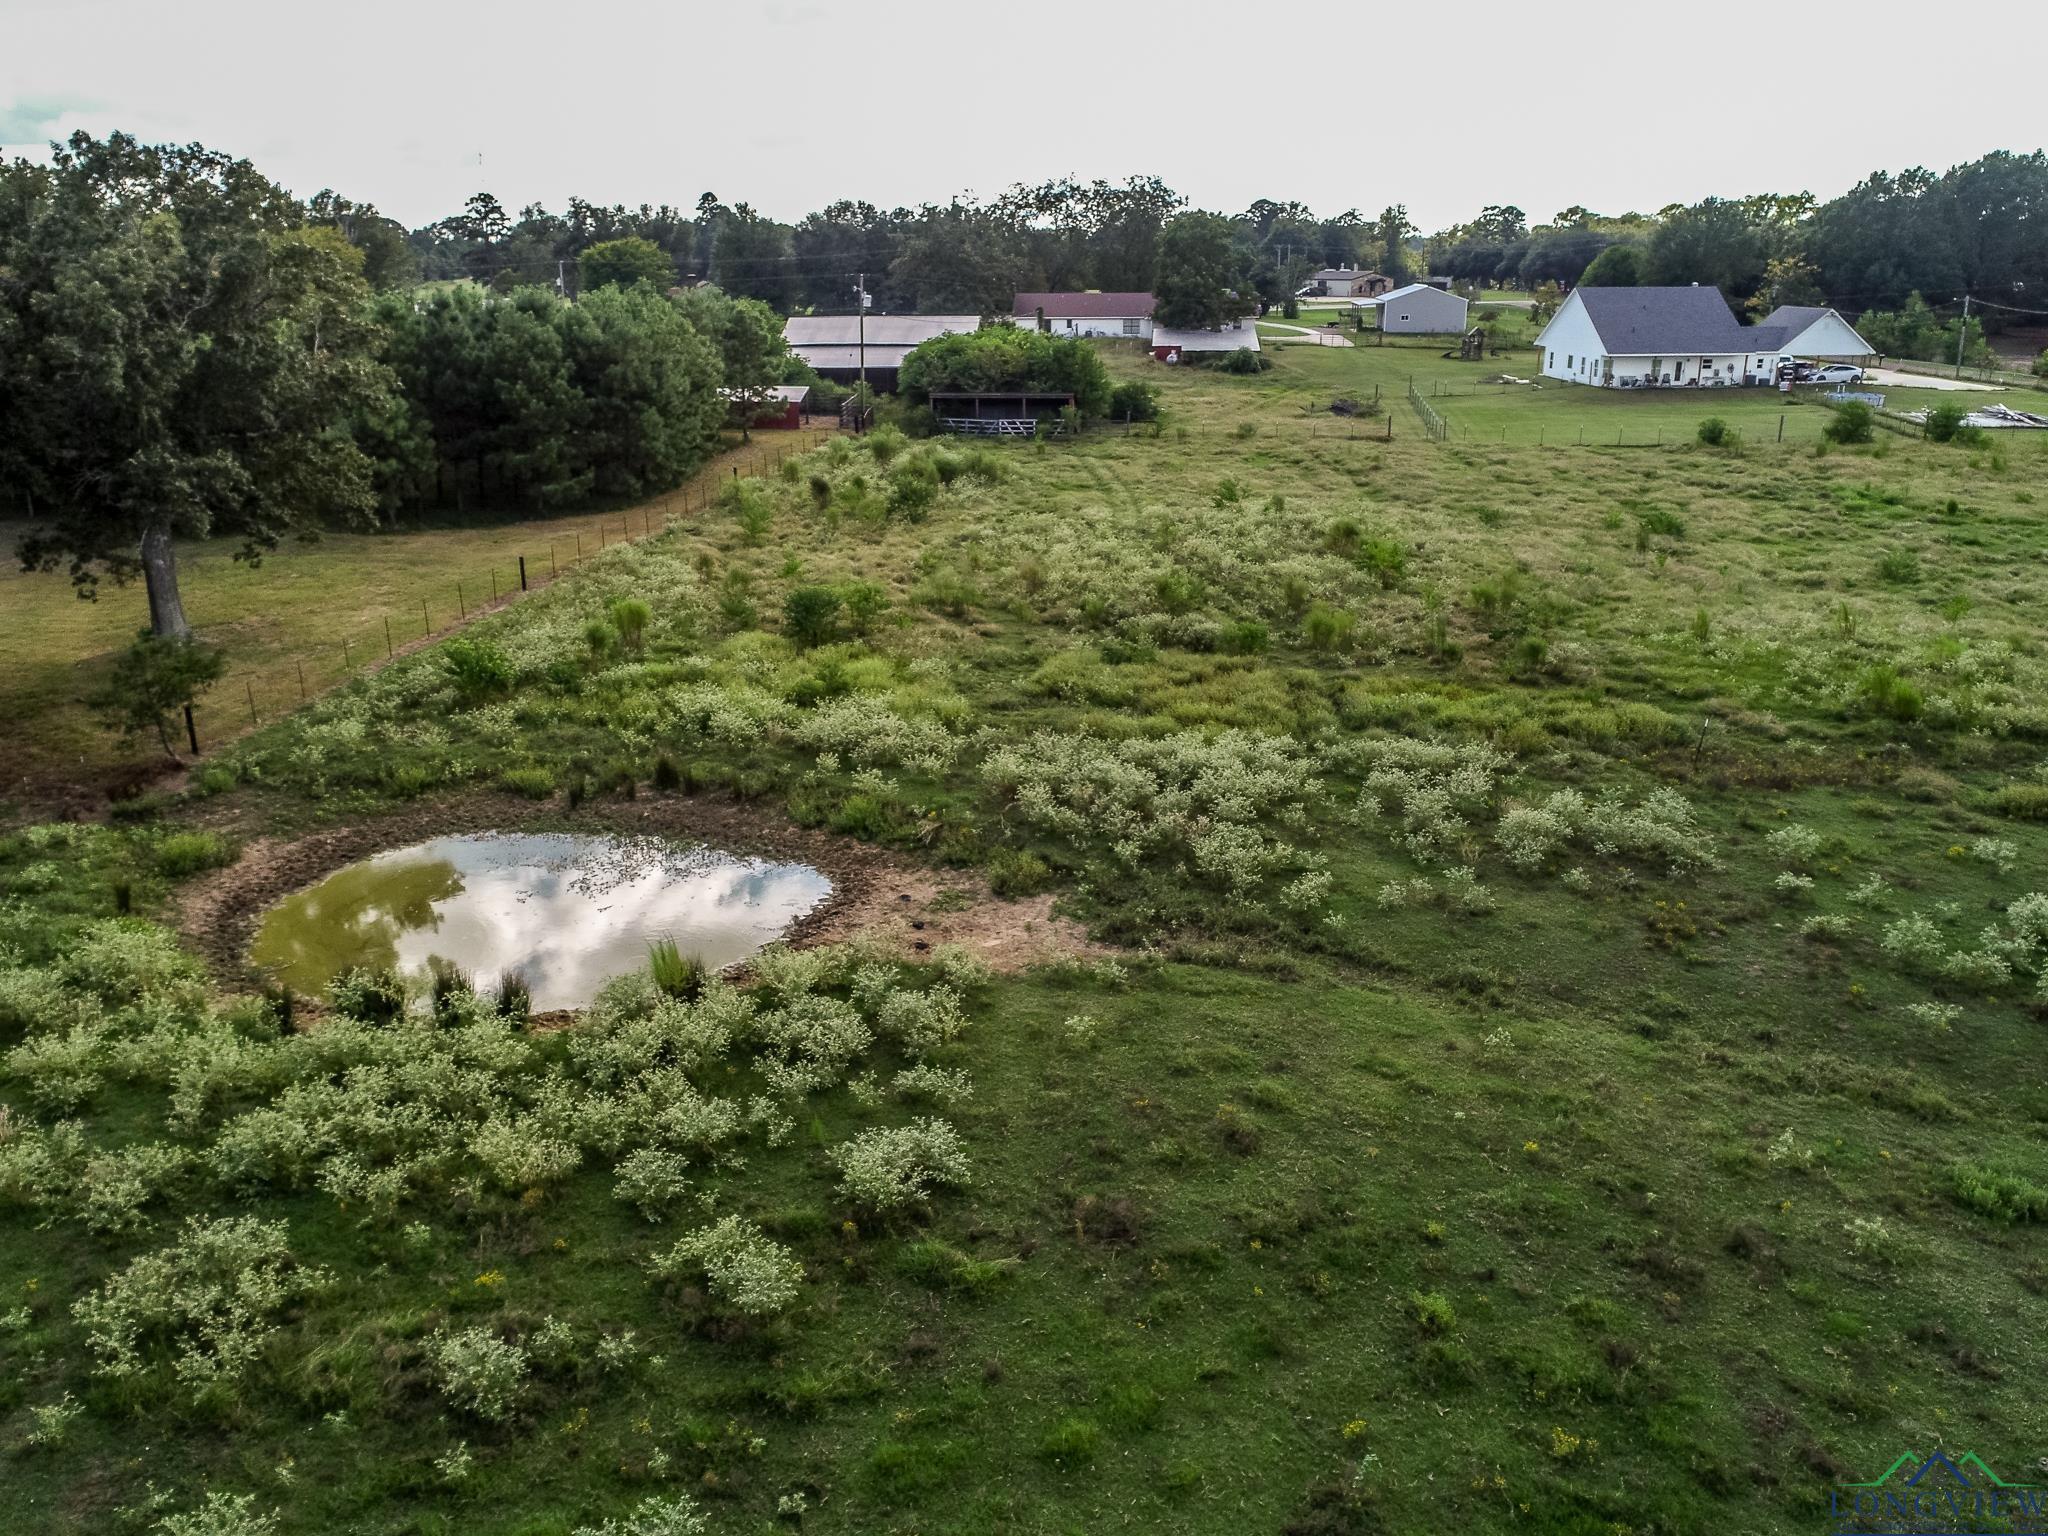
(191, 731)
(522, 573)
(250, 690)
(389, 649)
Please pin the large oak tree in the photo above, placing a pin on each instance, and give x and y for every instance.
(179, 357)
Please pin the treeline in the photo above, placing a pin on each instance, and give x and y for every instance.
(965, 255)
(1975, 229)
(186, 350)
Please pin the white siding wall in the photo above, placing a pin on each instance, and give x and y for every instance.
(1569, 341)
(1831, 339)
(1092, 326)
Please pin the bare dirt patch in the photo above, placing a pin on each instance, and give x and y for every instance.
(910, 907)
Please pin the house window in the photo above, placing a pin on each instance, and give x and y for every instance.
(1568, 362)
(1130, 327)
(1553, 360)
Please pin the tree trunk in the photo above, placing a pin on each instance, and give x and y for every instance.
(160, 576)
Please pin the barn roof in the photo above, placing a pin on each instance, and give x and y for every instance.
(882, 330)
(1084, 306)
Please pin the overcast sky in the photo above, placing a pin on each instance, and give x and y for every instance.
(789, 104)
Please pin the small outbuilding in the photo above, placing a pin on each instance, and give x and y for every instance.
(778, 408)
(1419, 310)
(1344, 283)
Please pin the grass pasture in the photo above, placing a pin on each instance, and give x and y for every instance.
(320, 605)
(1564, 1059)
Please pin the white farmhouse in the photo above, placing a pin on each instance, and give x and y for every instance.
(1420, 309)
(1086, 314)
(1649, 338)
(1343, 283)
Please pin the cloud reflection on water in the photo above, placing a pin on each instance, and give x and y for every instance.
(567, 912)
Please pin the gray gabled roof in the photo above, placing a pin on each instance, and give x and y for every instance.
(1666, 322)
(1795, 320)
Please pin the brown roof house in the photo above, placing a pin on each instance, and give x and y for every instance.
(1086, 314)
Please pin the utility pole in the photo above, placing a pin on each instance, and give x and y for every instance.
(862, 300)
(1962, 335)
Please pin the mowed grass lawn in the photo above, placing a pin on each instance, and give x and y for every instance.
(318, 604)
(1551, 413)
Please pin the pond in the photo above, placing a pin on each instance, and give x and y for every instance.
(567, 913)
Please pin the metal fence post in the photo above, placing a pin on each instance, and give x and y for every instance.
(522, 573)
(191, 731)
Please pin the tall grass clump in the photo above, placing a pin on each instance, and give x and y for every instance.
(674, 973)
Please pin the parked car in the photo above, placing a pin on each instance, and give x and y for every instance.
(1835, 373)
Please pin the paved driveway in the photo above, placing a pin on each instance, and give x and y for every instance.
(1892, 378)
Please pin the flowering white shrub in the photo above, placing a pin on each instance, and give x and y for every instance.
(653, 1179)
(223, 1514)
(961, 968)
(1871, 892)
(809, 1042)
(672, 1515)
(886, 1169)
(1790, 883)
(520, 1155)
(1207, 798)
(1831, 927)
(1939, 1016)
(206, 1303)
(1795, 844)
(479, 1372)
(744, 1267)
(113, 1187)
(921, 1022)
(52, 1422)
(1997, 851)
(866, 730)
(945, 1085)
(1914, 941)
(1307, 892)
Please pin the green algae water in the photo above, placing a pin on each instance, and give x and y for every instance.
(566, 912)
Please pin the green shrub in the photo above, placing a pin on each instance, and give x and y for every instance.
(1852, 422)
(1432, 1311)
(1945, 420)
(674, 973)
(810, 615)
(533, 782)
(187, 853)
(913, 487)
(1134, 400)
(630, 617)
(1997, 1193)
(1898, 567)
(370, 995)
(1013, 872)
(1889, 694)
(1326, 629)
(1714, 432)
(478, 669)
(884, 444)
(1071, 1439)
(1245, 637)
(2022, 802)
(153, 681)
(1245, 360)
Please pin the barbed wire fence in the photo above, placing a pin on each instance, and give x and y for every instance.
(246, 698)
